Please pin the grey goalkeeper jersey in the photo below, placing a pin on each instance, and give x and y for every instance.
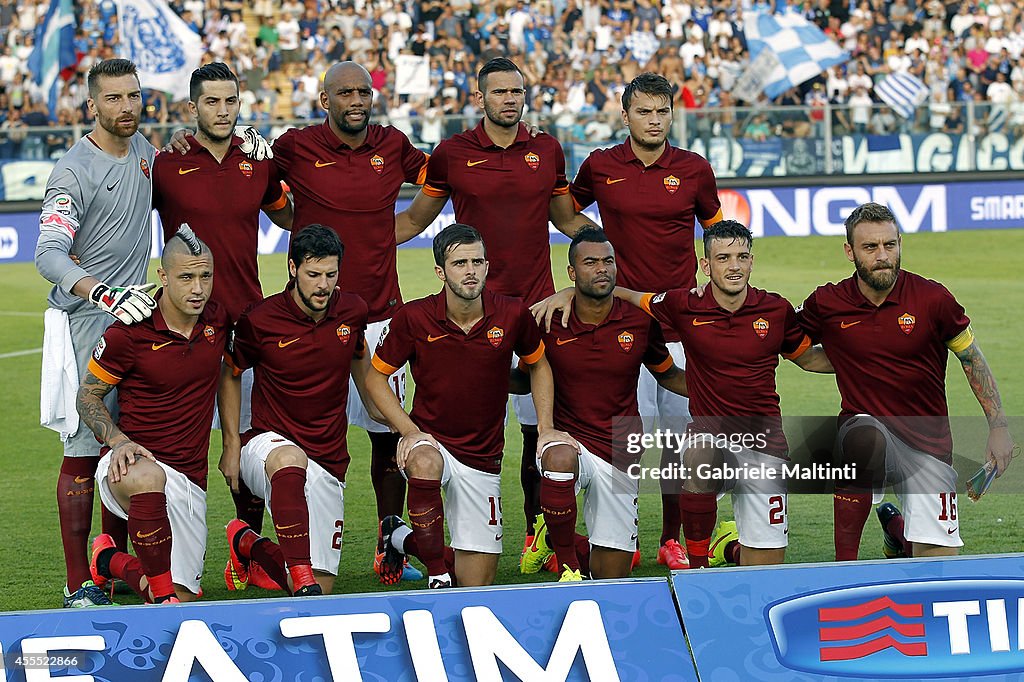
(97, 207)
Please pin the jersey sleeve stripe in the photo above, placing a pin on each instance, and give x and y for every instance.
(800, 350)
(961, 341)
(559, 191)
(279, 204)
(534, 356)
(102, 374)
(382, 367)
(661, 367)
(713, 219)
(421, 178)
(645, 303)
(434, 192)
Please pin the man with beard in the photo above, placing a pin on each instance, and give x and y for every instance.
(612, 340)
(459, 342)
(507, 185)
(94, 231)
(303, 344)
(191, 189)
(650, 195)
(886, 332)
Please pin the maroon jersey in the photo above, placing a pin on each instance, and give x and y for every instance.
(461, 379)
(300, 372)
(505, 194)
(166, 384)
(890, 360)
(734, 357)
(596, 369)
(221, 202)
(650, 213)
(353, 192)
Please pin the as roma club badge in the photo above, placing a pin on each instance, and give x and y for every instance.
(761, 327)
(626, 341)
(907, 322)
(671, 184)
(532, 160)
(495, 336)
(145, 167)
(246, 168)
(209, 333)
(344, 334)
(377, 163)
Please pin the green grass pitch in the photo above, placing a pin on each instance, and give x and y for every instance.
(982, 268)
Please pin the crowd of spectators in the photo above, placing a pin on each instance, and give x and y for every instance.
(577, 56)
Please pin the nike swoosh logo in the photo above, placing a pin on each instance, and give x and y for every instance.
(158, 346)
(321, 164)
(701, 323)
(475, 163)
(82, 479)
(847, 325)
(186, 171)
(110, 188)
(431, 339)
(562, 342)
(294, 525)
(143, 536)
(609, 181)
(497, 538)
(282, 343)
(952, 530)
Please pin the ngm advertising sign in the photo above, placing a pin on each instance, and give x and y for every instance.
(959, 619)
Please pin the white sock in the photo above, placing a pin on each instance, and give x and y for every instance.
(398, 537)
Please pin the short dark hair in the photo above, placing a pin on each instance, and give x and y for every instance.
(590, 234)
(112, 68)
(868, 213)
(214, 71)
(727, 229)
(649, 84)
(496, 65)
(452, 236)
(314, 242)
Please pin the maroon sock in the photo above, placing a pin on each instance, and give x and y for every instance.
(530, 478)
(582, 543)
(732, 552)
(558, 503)
(291, 514)
(700, 512)
(671, 515)
(116, 527)
(449, 562)
(248, 507)
(266, 554)
(128, 568)
(850, 510)
(426, 515)
(150, 530)
(896, 530)
(75, 486)
(388, 482)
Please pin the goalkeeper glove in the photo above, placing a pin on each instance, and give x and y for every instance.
(254, 145)
(129, 304)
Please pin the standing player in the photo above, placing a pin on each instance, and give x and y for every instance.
(733, 395)
(302, 343)
(153, 474)
(494, 173)
(219, 192)
(887, 332)
(459, 343)
(97, 208)
(650, 195)
(605, 344)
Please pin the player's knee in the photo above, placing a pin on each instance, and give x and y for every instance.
(698, 503)
(559, 458)
(144, 476)
(286, 456)
(425, 462)
(864, 447)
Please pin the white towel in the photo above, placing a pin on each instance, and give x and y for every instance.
(58, 385)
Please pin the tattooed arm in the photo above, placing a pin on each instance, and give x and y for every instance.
(979, 376)
(97, 417)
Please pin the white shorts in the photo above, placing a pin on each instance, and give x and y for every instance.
(186, 510)
(759, 506)
(925, 485)
(472, 505)
(522, 405)
(356, 411)
(245, 413)
(325, 499)
(671, 410)
(610, 499)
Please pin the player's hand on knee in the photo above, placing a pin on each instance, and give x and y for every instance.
(179, 142)
(409, 442)
(124, 455)
(552, 436)
(254, 145)
(129, 304)
(545, 309)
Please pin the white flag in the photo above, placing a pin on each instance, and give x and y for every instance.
(412, 75)
(162, 46)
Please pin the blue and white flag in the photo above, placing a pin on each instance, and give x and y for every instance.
(801, 48)
(54, 50)
(163, 47)
(902, 92)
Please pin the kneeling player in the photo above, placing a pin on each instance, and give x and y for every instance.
(459, 343)
(166, 371)
(302, 345)
(596, 360)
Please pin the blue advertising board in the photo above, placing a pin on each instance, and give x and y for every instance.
(622, 630)
(948, 619)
